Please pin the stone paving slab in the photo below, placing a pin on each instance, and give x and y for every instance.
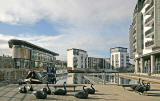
(104, 93)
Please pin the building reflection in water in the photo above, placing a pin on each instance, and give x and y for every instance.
(96, 78)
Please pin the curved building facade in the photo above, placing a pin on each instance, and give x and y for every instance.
(145, 37)
(28, 55)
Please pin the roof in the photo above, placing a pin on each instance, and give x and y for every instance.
(119, 47)
(97, 57)
(25, 43)
(76, 49)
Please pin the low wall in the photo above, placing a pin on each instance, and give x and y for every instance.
(11, 74)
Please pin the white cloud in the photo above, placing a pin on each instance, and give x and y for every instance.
(85, 19)
(70, 11)
(61, 43)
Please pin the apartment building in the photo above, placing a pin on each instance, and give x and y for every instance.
(97, 63)
(145, 37)
(77, 58)
(28, 55)
(119, 57)
(108, 65)
(60, 64)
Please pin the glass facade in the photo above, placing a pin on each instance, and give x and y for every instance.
(147, 66)
(25, 57)
(157, 64)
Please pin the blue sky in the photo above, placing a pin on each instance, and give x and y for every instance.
(92, 25)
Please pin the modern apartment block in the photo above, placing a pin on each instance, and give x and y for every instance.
(77, 58)
(119, 57)
(28, 55)
(60, 64)
(98, 63)
(145, 37)
(108, 65)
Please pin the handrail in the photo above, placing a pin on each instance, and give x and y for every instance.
(149, 31)
(149, 7)
(150, 18)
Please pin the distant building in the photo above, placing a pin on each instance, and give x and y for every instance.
(145, 37)
(77, 58)
(119, 57)
(28, 55)
(6, 62)
(108, 64)
(96, 63)
(60, 64)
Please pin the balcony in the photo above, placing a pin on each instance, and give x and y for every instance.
(133, 23)
(146, 2)
(149, 43)
(135, 12)
(149, 31)
(149, 19)
(134, 32)
(149, 7)
(134, 41)
(134, 50)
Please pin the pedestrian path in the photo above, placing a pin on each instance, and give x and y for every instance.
(150, 79)
(103, 93)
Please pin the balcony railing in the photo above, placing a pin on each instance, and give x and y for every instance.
(134, 41)
(149, 6)
(134, 32)
(146, 2)
(149, 31)
(134, 22)
(149, 43)
(134, 50)
(135, 12)
(150, 18)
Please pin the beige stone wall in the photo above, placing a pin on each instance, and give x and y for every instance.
(12, 74)
(157, 23)
(21, 52)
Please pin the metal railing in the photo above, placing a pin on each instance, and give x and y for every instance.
(134, 22)
(145, 76)
(134, 41)
(150, 18)
(134, 32)
(149, 43)
(149, 31)
(146, 2)
(150, 6)
(134, 50)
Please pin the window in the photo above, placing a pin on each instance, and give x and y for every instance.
(116, 56)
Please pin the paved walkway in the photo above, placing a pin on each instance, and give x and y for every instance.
(104, 93)
(151, 79)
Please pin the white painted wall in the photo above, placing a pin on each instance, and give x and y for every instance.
(80, 62)
(70, 58)
(145, 50)
(119, 59)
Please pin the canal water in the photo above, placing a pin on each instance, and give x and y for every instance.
(96, 78)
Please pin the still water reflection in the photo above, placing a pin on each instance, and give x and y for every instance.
(95, 78)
